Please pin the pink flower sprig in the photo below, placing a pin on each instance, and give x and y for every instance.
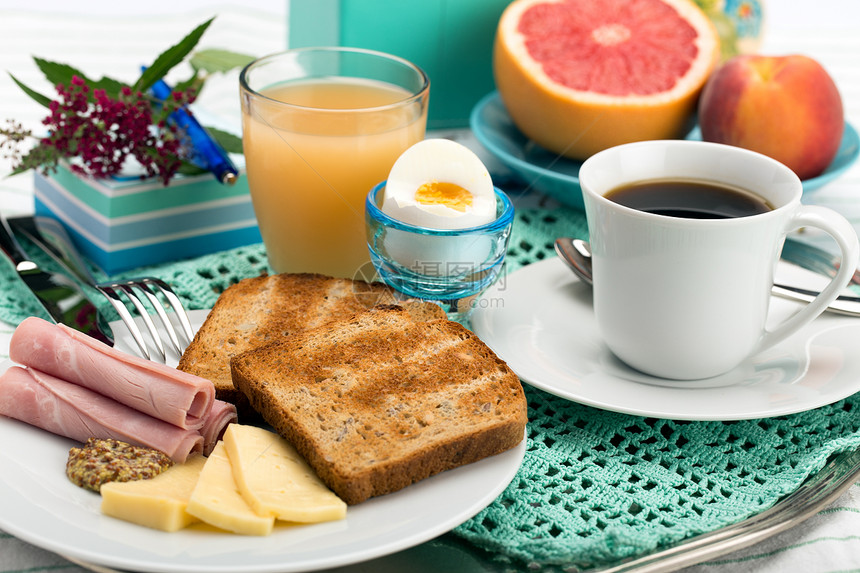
(102, 132)
(98, 125)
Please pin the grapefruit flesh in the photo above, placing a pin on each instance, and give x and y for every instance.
(578, 76)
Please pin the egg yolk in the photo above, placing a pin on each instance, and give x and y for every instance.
(447, 194)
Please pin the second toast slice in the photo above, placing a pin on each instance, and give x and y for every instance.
(379, 401)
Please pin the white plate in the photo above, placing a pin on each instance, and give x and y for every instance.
(41, 506)
(540, 321)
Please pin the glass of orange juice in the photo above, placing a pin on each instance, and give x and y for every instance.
(321, 126)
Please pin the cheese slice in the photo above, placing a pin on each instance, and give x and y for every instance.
(275, 480)
(160, 502)
(216, 500)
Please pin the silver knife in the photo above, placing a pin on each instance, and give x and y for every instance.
(817, 492)
(844, 304)
(818, 260)
(814, 259)
(57, 294)
(50, 237)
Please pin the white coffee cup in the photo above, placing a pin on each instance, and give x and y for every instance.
(685, 298)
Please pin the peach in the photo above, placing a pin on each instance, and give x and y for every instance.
(785, 107)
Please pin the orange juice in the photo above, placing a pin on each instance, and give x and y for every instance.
(313, 150)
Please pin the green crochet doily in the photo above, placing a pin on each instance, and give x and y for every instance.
(595, 486)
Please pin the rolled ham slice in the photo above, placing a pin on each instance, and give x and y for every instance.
(79, 413)
(163, 392)
(220, 416)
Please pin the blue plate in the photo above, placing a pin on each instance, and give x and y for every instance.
(558, 177)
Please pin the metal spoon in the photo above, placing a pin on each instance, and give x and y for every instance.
(576, 253)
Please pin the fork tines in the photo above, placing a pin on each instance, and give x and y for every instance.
(158, 294)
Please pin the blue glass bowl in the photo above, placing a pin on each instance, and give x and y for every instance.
(451, 267)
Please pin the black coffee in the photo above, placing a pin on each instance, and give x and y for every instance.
(690, 199)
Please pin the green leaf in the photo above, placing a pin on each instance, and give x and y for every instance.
(39, 98)
(231, 143)
(195, 83)
(18, 170)
(111, 86)
(169, 58)
(188, 168)
(218, 61)
(57, 73)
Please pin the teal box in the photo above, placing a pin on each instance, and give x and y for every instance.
(451, 40)
(123, 224)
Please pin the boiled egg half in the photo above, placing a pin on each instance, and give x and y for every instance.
(440, 184)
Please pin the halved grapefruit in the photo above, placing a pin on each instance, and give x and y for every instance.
(578, 76)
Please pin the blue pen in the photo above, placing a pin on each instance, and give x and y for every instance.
(208, 154)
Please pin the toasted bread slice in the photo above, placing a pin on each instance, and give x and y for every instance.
(260, 310)
(378, 401)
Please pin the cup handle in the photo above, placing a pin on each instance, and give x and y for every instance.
(845, 236)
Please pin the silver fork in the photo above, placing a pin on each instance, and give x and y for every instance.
(50, 236)
(151, 288)
(817, 492)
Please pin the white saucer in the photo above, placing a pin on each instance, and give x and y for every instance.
(539, 319)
